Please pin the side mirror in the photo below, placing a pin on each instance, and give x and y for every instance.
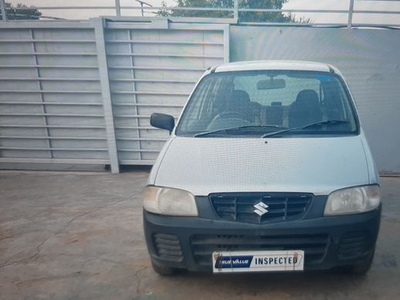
(162, 121)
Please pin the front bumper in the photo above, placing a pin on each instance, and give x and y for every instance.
(188, 243)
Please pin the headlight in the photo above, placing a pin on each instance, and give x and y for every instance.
(167, 201)
(353, 200)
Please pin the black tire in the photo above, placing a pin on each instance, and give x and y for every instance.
(362, 268)
(163, 270)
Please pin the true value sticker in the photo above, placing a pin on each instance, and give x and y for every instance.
(258, 261)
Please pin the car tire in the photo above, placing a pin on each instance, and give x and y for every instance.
(362, 268)
(163, 270)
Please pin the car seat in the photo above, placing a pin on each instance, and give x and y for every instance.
(305, 110)
(239, 102)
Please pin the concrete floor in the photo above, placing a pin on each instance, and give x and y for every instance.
(79, 236)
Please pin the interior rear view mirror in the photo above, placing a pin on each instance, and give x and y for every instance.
(271, 84)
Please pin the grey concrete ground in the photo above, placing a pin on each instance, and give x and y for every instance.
(79, 236)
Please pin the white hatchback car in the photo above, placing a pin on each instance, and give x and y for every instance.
(267, 169)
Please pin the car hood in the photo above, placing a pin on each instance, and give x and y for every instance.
(313, 165)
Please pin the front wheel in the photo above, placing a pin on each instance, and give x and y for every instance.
(163, 270)
(361, 268)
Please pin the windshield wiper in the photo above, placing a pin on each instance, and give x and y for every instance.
(235, 129)
(318, 124)
(327, 122)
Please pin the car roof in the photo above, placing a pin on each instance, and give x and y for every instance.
(287, 65)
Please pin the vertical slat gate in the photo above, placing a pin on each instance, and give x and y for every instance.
(79, 93)
(154, 70)
(51, 108)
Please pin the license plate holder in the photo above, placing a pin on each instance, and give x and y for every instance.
(258, 261)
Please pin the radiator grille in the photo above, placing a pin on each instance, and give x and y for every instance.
(260, 208)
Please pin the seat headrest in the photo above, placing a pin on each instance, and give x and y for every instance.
(307, 97)
(240, 95)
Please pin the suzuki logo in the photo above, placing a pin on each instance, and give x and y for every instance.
(261, 208)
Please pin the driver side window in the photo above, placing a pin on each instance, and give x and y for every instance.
(204, 105)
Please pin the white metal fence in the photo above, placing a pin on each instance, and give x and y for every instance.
(82, 93)
(51, 102)
(155, 69)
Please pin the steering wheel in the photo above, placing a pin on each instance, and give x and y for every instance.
(228, 119)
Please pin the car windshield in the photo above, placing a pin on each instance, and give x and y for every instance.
(258, 103)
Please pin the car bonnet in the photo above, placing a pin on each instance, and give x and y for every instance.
(313, 165)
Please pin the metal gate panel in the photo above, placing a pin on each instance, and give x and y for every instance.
(51, 106)
(154, 70)
(368, 58)
(58, 80)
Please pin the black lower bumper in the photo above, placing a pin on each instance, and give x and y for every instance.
(188, 243)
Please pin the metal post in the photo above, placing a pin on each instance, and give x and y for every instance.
(106, 94)
(351, 10)
(226, 44)
(236, 10)
(142, 3)
(118, 7)
(3, 10)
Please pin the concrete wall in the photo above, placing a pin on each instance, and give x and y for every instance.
(368, 58)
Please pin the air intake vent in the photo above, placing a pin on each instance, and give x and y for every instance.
(168, 247)
(314, 245)
(353, 244)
